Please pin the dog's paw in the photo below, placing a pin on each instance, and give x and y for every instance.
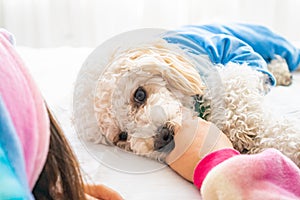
(279, 68)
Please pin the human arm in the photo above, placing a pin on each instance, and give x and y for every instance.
(220, 172)
(196, 138)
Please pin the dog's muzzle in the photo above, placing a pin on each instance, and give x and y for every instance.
(164, 140)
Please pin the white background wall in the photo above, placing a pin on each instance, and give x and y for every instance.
(50, 23)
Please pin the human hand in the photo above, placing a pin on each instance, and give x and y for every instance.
(195, 139)
(101, 192)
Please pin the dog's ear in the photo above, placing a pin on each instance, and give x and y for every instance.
(185, 80)
(106, 120)
(178, 71)
(183, 76)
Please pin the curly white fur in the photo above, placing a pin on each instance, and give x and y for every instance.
(233, 97)
(168, 78)
(248, 121)
(279, 68)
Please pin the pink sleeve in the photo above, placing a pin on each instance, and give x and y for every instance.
(267, 175)
(209, 162)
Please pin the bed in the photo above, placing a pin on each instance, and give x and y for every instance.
(55, 71)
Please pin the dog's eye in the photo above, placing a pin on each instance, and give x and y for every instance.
(123, 136)
(140, 95)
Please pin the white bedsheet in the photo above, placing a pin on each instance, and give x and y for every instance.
(55, 72)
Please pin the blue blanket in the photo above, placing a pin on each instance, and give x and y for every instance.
(239, 43)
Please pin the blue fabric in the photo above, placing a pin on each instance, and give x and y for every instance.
(239, 43)
(13, 181)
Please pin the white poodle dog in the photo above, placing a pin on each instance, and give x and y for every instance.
(140, 100)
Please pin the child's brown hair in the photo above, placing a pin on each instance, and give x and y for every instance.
(61, 177)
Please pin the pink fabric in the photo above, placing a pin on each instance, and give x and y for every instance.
(209, 162)
(267, 175)
(25, 104)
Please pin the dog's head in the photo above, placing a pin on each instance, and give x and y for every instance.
(140, 97)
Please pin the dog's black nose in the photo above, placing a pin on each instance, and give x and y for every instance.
(163, 141)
